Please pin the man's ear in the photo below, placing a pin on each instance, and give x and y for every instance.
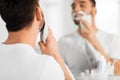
(39, 15)
(94, 11)
(93, 17)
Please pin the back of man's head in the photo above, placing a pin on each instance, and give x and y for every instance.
(17, 14)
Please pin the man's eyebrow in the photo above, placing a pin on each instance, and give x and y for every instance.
(82, 2)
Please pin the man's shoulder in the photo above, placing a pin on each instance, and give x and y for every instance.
(48, 60)
(108, 38)
(106, 35)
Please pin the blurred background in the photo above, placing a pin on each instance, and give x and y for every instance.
(58, 17)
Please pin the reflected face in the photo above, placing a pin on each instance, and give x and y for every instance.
(81, 5)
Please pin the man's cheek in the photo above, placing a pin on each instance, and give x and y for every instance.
(88, 11)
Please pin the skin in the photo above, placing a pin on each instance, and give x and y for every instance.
(90, 34)
(29, 35)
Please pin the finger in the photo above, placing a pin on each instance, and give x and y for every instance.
(84, 30)
(84, 35)
(42, 46)
(85, 23)
(50, 33)
(50, 36)
(81, 31)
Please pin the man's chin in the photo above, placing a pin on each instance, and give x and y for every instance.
(76, 22)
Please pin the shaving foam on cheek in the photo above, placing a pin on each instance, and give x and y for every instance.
(84, 16)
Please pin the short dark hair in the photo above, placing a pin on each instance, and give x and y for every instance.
(17, 13)
(93, 2)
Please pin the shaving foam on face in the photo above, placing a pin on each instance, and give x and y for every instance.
(80, 14)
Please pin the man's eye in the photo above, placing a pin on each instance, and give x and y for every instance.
(82, 6)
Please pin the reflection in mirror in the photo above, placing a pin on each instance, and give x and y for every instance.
(92, 46)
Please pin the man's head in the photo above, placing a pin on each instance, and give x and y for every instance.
(18, 14)
(87, 6)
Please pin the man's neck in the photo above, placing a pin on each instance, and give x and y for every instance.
(22, 36)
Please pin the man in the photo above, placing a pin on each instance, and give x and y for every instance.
(82, 49)
(18, 60)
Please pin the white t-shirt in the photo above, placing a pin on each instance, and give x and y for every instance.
(20, 62)
(80, 55)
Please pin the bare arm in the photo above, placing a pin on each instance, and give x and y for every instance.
(97, 46)
(94, 41)
(51, 48)
(90, 35)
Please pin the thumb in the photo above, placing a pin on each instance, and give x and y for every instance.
(42, 47)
